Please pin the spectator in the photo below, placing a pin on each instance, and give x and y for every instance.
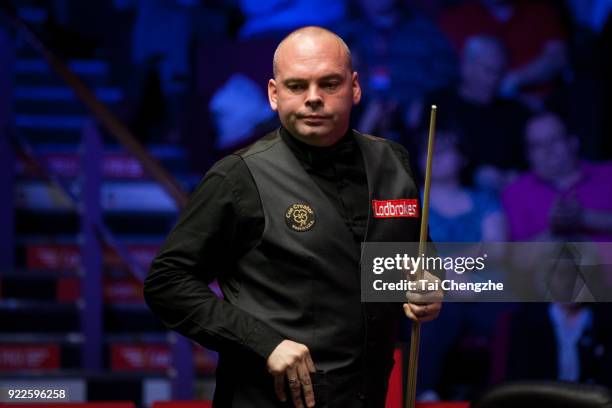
(161, 37)
(491, 125)
(585, 21)
(457, 214)
(399, 58)
(561, 197)
(531, 31)
(161, 30)
(573, 343)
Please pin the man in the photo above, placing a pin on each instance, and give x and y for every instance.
(490, 126)
(280, 225)
(573, 343)
(562, 197)
(531, 31)
(400, 55)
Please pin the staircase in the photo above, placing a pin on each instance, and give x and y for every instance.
(41, 299)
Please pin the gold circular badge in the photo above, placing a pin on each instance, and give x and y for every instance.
(300, 217)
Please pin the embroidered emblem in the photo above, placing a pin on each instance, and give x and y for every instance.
(300, 217)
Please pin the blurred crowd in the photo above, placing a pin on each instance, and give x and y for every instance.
(524, 96)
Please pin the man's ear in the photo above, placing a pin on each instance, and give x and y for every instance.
(356, 88)
(273, 94)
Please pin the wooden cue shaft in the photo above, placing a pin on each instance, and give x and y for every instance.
(415, 337)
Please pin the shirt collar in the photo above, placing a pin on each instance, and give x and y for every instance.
(316, 156)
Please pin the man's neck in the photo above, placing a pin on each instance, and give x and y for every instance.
(475, 95)
(318, 142)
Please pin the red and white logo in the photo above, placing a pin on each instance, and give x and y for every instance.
(402, 208)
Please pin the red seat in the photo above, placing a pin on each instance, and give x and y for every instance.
(395, 392)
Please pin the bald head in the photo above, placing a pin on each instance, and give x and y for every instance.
(309, 39)
(483, 67)
(480, 46)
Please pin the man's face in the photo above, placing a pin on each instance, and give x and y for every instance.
(551, 152)
(314, 90)
(447, 158)
(486, 69)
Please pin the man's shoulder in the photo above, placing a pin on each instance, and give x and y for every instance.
(600, 169)
(520, 188)
(367, 136)
(398, 149)
(395, 146)
(597, 178)
(226, 166)
(260, 145)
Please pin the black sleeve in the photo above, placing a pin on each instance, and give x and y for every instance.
(221, 221)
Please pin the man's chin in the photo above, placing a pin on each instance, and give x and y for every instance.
(312, 131)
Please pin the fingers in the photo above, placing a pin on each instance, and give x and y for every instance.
(310, 364)
(423, 295)
(409, 313)
(291, 362)
(295, 387)
(304, 377)
(423, 298)
(422, 313)
(279, 387)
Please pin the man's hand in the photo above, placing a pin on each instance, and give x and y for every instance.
(424, 306)
(423, 312)
(566, 215)
(292, 360)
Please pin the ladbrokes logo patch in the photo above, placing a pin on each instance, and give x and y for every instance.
(300, 217)
(402, 208)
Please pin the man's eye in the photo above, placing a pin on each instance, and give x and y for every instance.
(295, 87)
(331, 85)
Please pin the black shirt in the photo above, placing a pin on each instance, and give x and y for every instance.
(490, 134)
(223, 220)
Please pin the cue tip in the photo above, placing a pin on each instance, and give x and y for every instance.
(434, 107)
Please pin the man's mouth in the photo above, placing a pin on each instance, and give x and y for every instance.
(314, 117)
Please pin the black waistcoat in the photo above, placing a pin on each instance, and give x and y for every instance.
(303, 280)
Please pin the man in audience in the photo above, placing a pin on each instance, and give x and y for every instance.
(531, 31)
(561, 197)
(490, 126)
(573, 343)
(457, 214)
(400, 56)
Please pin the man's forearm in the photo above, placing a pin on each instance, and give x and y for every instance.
(187, 305)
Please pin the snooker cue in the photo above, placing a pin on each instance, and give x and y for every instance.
(415, 337)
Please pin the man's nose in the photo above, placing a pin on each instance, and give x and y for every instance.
(314, 97)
